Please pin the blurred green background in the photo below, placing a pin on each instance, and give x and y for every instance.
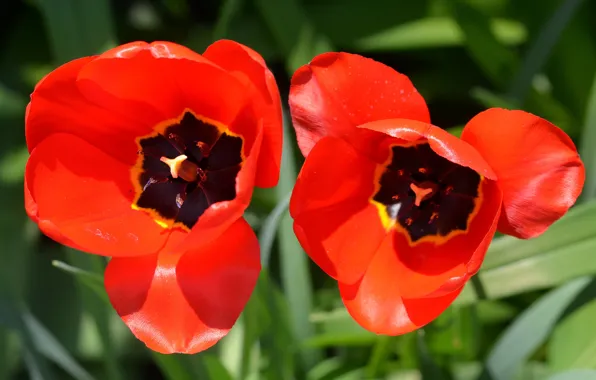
(529, 314)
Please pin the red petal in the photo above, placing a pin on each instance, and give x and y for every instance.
(538, 167)
(333, 161)
(429, 269)
(151, 83)
(249, 66)
(186, 302)
(48, 228)
(341, 239)
(339, 91)
(219, 216)
(82, 198)
(377, 304)
(337, 225)
(441, 142)
(57, 106)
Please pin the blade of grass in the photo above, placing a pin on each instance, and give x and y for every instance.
(529, 330)
(228, 10)
(573, 342)
(541, 48)
(434, 32)
(89, 279)
(49, 347)
(295, 273)
(496, 60)
(429, 370)
(78, 28)
(95, 300)
(35, 363)
(380, 352)
(210, 367)
(587, 151)
(36, 368)
(295, 34)
(570, 229)
(269, 229)
(513, 266)
(175, 367)
(231, 350)
(576, 374)
(276, 339)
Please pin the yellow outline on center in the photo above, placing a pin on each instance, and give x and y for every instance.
(389, 223)
(136, 170)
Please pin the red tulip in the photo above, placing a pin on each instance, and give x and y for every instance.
(400, 212)
(149, 153)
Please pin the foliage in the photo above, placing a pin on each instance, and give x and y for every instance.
(528, 314)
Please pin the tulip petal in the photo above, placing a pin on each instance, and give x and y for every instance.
(333, 219)
(219, 216)
(186, 302)
(431, 269)
(336, 92)
(155, 82)
(81, 196)
(334, 173)
(537, 166)
(377, 304)
(248, 65)
(441, 142)
(57, 106)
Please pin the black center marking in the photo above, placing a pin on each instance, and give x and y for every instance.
(215, 156)
(444, 210)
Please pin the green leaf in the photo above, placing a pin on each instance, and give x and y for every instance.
(269, 229)
(96, 302)
(328, 369)
(492, 312)
(576, 374)
(176, 367)
(295, 35)
(11, 318)
(12, 165)
(428, 368)
(78, 28)
(267, 312)
(337, 328)
(49, 347)
(456, 332)
(573, 344)
(489, 99)
(541, 48)
(587, 151)
(496, 60)
(228, 10)
(563, 252)
(530, 329)
(89, 279)
(295, 273)
(435, 32)
(211, 368)
(380, 353)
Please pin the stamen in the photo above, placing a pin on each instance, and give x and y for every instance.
(421, 192)
(205, 148)
(181, 167)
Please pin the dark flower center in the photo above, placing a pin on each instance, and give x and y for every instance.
(426, 194)
(188, 166)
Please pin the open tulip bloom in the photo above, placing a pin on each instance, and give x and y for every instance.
(400, 212)
(149, 153)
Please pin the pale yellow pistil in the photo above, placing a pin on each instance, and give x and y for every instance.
(422, 192)
(182, 167)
